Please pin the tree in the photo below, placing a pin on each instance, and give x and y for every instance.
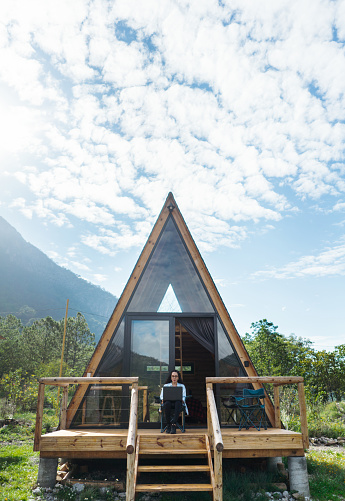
(10, 343)
(269, 351)
(79, 345)
(276, 355)
(42, 342)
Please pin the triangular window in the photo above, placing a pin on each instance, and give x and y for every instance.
(170, 265)
(169, 303)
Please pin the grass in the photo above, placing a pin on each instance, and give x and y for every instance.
(327, 474)
(18, 471)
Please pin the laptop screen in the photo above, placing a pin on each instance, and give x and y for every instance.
(172, 393)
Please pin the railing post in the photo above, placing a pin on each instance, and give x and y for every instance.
(277, 420)
(63, 419)
(216, 433)
(130, 479)
(209, 386)
(303, 415)
(131, 441)
(39, 417)
(133, 419)
(218, 475)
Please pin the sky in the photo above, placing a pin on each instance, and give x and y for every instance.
(236, 107)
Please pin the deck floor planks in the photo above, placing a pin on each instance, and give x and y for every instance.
(112, 442)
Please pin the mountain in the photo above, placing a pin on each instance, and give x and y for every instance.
(33, 286)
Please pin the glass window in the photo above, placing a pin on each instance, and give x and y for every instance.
(170, 267)
(229, 366)
(103, 405)
(169, 303)
(150, 362)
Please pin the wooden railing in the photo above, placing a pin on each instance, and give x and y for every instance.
(216, 440)
(276, 381)
(65, 382)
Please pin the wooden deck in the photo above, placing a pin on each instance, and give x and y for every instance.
(111, 443)
(212, 443)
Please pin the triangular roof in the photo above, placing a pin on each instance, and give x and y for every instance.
(170, 209)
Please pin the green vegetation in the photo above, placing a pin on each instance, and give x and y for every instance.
(276, 355)
(327, 474)
(28, 353)
(18, 471)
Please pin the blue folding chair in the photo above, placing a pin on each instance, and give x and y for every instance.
(252, 408)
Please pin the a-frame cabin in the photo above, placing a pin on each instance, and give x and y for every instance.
(169, 316)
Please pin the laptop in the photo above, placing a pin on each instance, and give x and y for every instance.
(172, 393)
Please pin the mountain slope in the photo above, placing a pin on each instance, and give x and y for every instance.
(30, 280)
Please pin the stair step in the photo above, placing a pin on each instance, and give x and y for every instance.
(174, 468)
(173, 487)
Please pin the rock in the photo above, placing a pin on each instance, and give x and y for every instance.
(281, 486)
(78, 487)
(282, 470)
(332, 442)
(36, 491)
(286, 494)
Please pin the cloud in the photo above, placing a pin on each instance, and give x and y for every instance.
(231, 106)
(330, 262)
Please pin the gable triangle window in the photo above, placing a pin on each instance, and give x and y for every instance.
(169, 302)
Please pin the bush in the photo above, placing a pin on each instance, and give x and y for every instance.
(19, 389)
(323, 420)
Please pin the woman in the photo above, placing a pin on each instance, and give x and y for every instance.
(174, 379)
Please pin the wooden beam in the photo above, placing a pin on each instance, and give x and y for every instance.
(262, 453)
(216, 433)
(281, 380)
(63, 381)
(64, 408)
(130, 480)
(39, 417)
(209, 386)
(277, 420)
(303, 414)
(218, 476)
(210, 464)
(133, 418)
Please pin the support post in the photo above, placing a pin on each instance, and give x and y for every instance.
(298, 475)
(277, 420)
(63, 419)
(218, 475)
(39, 417)
(47, 470)
(209, 386)
(272, 464)
(130, 479)
(133, 420)
(303, 414)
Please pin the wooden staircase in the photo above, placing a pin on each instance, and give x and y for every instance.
(182, 451)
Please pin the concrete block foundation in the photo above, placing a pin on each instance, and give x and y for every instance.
(47, 470)
(298, 475)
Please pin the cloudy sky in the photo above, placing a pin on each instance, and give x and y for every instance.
(237, 107)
